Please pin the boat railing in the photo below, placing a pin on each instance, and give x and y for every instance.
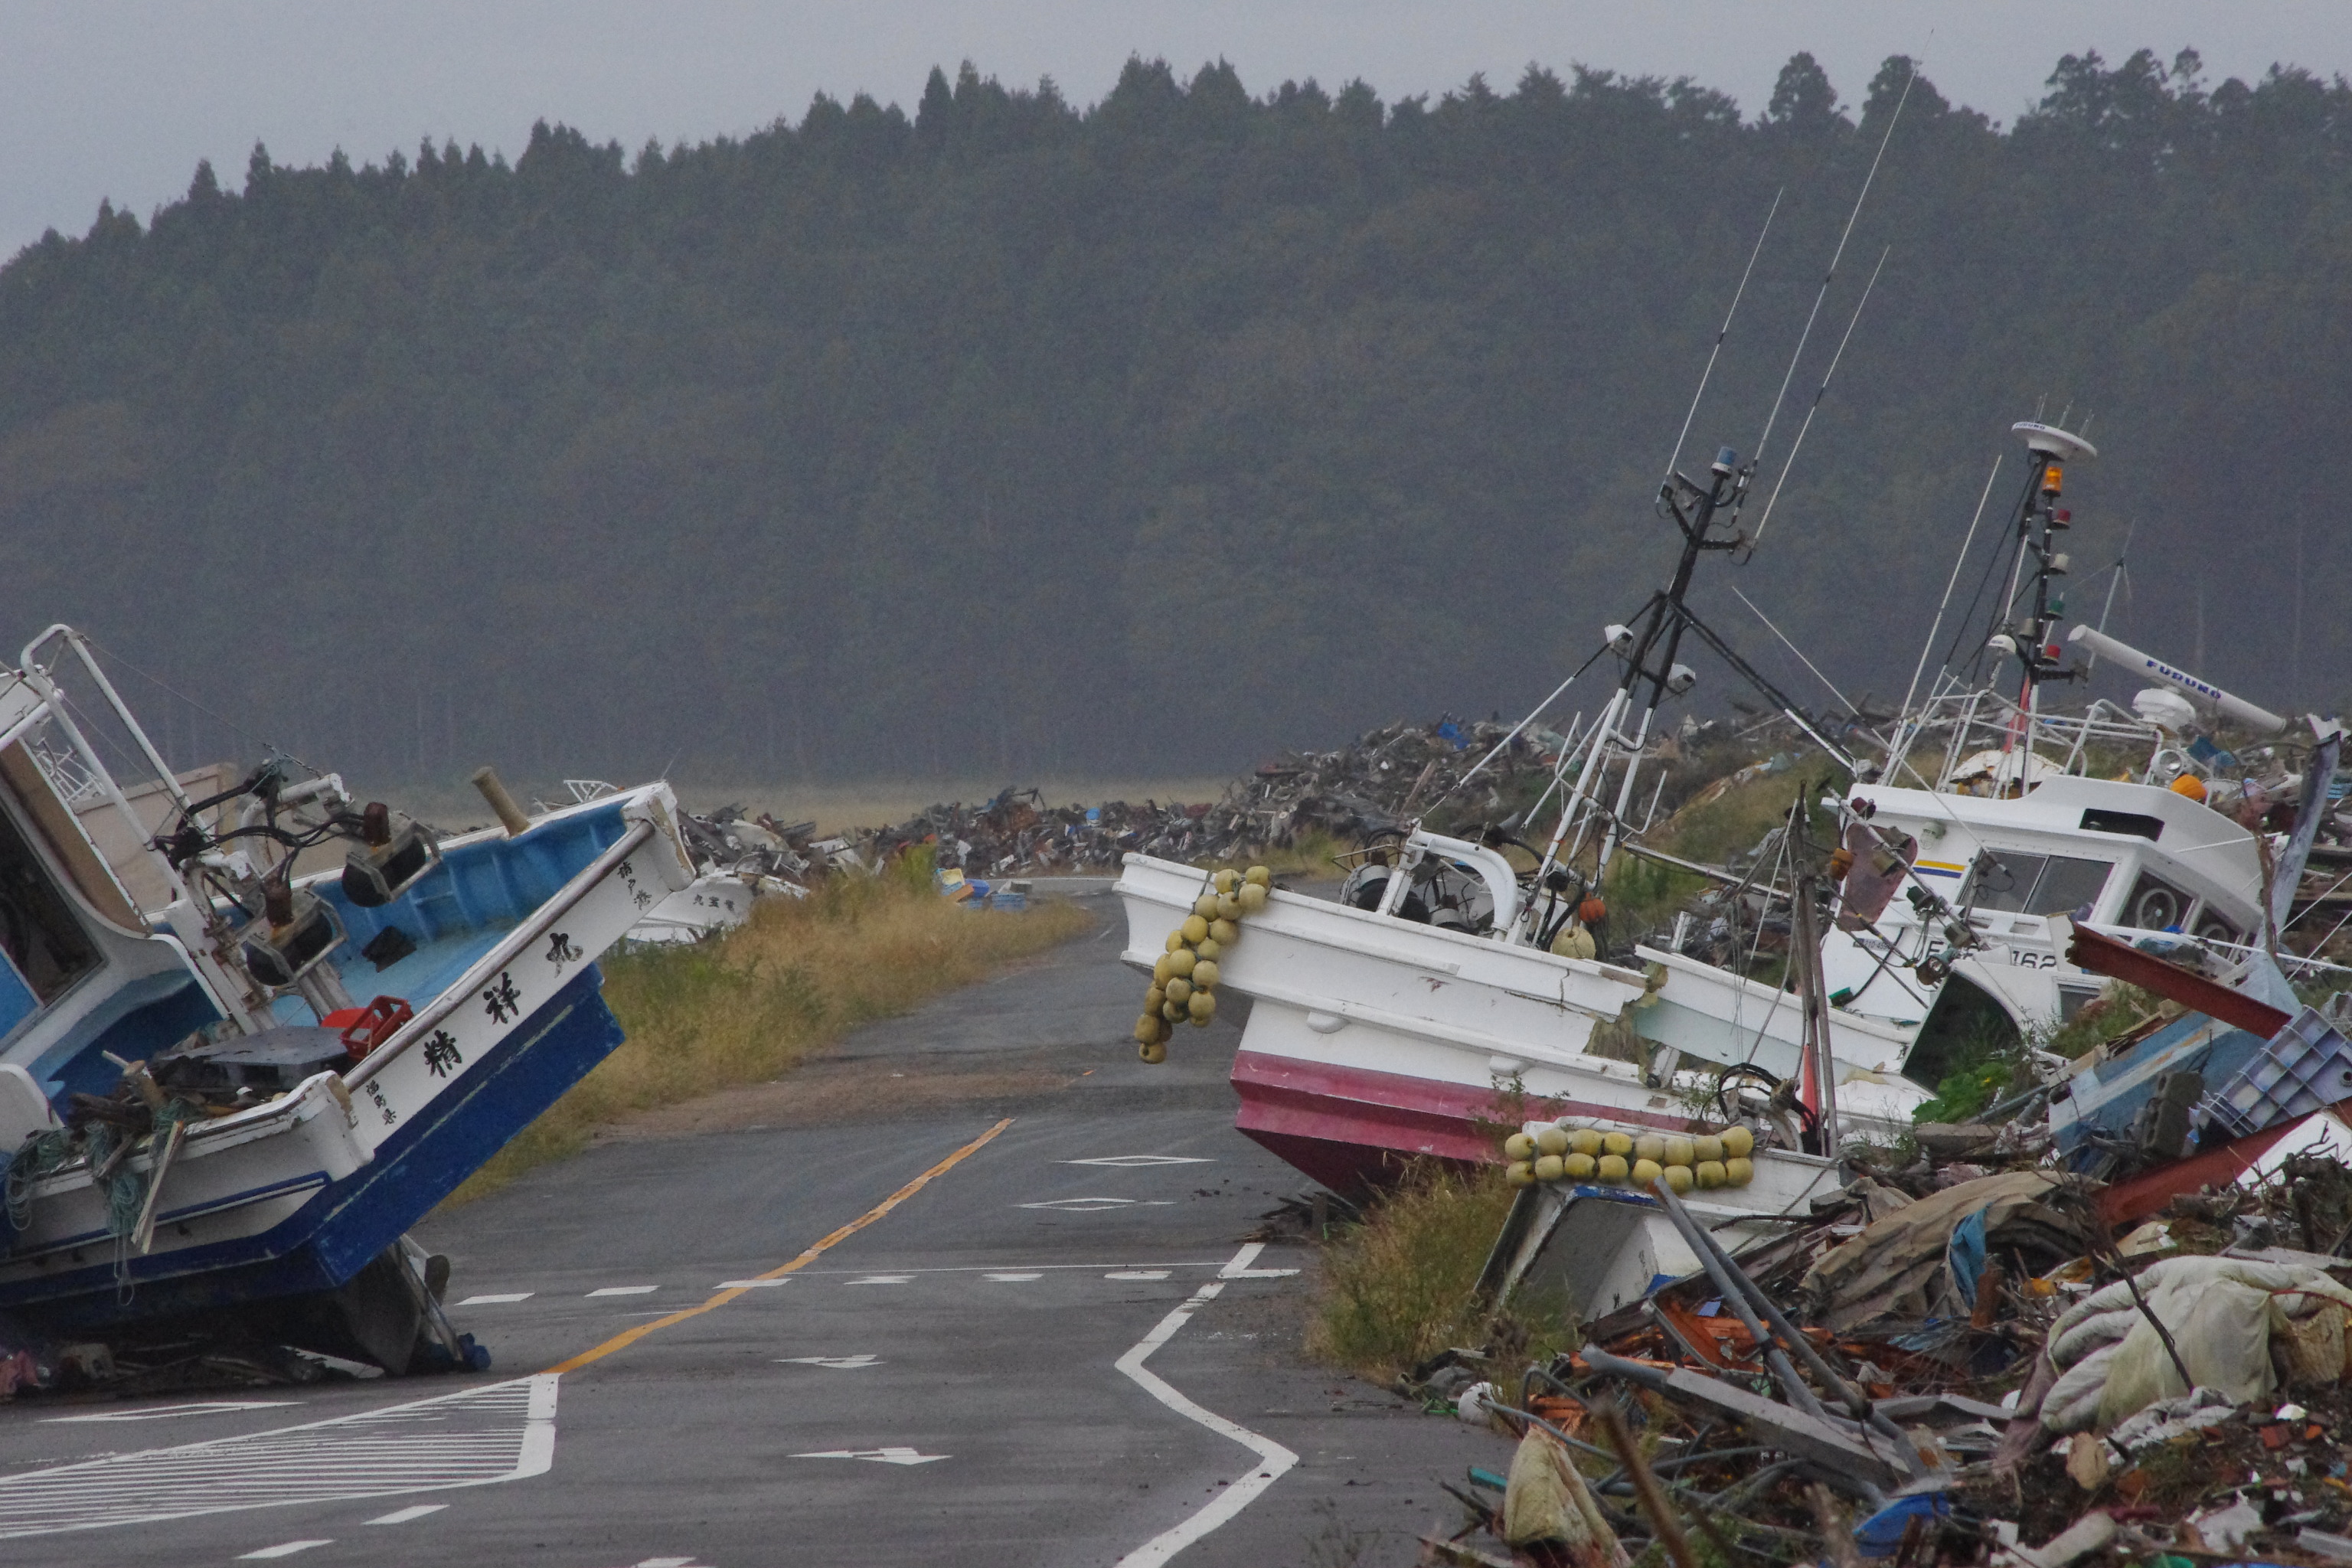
(78, 774)
(1973, 721)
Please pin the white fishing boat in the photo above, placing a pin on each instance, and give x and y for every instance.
(1410, 1025)
(228, 1107)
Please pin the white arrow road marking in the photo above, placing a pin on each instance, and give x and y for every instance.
(839, 1362)
(499, 1432)
(879, 1456)
(1273, 1458)
(1134, 1162)
(166, 1412)
(1095, 1205)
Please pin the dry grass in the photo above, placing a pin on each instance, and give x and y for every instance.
(1397, 1288)
(751, 1005)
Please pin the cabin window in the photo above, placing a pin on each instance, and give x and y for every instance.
(37, 931)
(2215, 927)
(2156, 905)
(2131, 822)
(2020, 884)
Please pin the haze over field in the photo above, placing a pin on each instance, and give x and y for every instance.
(1145, 436)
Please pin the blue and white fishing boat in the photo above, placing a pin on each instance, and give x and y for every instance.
(231, 1092)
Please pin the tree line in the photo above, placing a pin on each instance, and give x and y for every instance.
(1014, 436)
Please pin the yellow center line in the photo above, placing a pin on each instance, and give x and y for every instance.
(628, 1337)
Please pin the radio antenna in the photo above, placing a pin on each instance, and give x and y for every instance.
(1819, 393)
(1892, 121)
(1725, 330)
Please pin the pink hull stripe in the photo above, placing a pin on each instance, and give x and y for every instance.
(1349, 1127)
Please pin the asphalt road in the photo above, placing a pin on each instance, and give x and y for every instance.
(941, 1384)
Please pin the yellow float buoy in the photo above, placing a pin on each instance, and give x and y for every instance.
(1208, 948)
(1179, 964)
(1678, 1177)
(1178, 989)
(1205, 906)
(1225, 931)
(1153, 1053)
(1164, 970)
(1204, 976)
(1709, 1174)
(1194, 928)
(1252, 897)
(1707, 1149)
(1650, 1146)
(1519, 1146)
(1585, 1141)
(1612, 1168)
(1203, 1006)
(1520, 1174)
(1738, 1142)
(1259, 876)
(1552, 1139)
(1645, 1171)
(1579, 1167)
(1225, 881)
(1678, 1152)
(1739, 1172)
(1617, 1143)
(1548, 1168)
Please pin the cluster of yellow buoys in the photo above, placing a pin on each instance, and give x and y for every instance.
(1548, 1152)
(1185, 980)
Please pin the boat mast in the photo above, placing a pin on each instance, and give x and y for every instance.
(2031, 637)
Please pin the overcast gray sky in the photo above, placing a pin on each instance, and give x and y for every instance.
(99, 99)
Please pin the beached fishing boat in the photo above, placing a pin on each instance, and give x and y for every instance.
(229, 1102)
(1444, 983)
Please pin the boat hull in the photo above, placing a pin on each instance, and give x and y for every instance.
(1372, 1041)
(299, 1231)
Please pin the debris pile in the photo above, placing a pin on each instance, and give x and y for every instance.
(1989, 1345)
(1016, 831)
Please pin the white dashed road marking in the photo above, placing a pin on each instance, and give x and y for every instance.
(283, 1549)
(1013, 1278)
(883, 1279)
(752, 1284)
(625, 1290)
(838, 1362)
(1137, 1274)
(402, 1515)
(879, 1456)
(1095, 1205)
(495, 1300)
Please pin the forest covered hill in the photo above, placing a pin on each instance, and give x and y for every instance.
(1009, 434)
